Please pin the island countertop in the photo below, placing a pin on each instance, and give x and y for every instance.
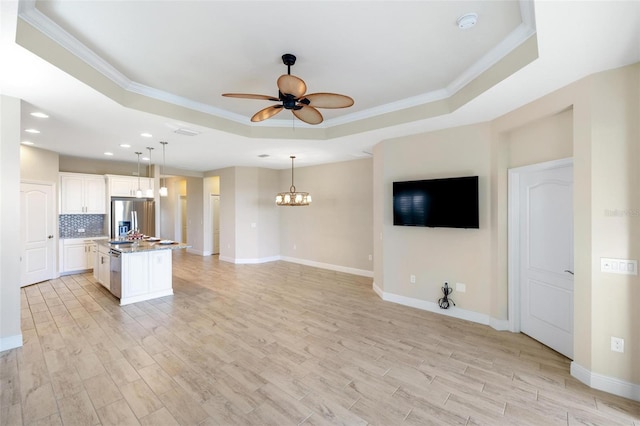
(137, 246)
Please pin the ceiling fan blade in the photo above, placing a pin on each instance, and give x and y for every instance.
(250, 96)
(328, 100)
(268, 112)
(308, 114)
(291, 85)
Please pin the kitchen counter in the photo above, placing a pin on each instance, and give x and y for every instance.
(140, 246)
(140, 270)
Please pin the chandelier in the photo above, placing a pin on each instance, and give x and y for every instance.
(293, 198)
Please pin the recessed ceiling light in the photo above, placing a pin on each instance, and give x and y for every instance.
(125, 145)
(39, 114)
(32, 131)
(27, 143)
(146, 135)
(108, 153)
(467, 21)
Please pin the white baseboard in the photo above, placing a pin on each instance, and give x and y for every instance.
(329, 266)
(378, 290)
(194, 251)
(239, 261)
(10, 342)
(500, 325)
(256, 260)
(453, 311)
(605, 383)
(432, 307)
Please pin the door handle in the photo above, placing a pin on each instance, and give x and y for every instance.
(571, 272)
(50, 237)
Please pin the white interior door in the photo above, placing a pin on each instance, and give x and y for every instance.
(546, 257)
(37, 233)
(215, 221)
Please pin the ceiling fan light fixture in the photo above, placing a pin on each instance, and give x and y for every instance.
(291, 95)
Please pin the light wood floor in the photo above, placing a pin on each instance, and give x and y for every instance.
(277, 344)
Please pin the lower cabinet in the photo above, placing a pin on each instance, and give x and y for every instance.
(77, 255)
(101, 269)
(146, 275)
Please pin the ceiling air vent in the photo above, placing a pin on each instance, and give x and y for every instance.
(186, 132)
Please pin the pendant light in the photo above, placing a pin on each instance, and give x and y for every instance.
(163, 188)
(149, 193)
(138, 191)
(293, 198)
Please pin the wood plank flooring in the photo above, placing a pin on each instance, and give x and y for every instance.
(277, 344)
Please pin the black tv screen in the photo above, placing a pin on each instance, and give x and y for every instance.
(448, 203)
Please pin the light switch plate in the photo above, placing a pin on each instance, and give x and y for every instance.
(619, 266)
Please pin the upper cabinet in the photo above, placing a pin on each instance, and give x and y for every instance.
(82, 194)
(126, 186)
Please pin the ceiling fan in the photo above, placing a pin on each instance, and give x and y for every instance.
(291, 94)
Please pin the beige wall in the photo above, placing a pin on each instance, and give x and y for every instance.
(545, 139)
(268, 214)
(195, 212)
(39, 165)
(336, 227)
(10, 334)
(437, 255)
(615, 183)
(595, 120)
(227, 213)
(211, 186)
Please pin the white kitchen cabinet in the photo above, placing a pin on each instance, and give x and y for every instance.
(145, 275)
(101, 269)
(77, 255)
(126, 186)
(82, 194)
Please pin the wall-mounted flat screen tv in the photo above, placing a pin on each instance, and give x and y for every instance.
(447, 203)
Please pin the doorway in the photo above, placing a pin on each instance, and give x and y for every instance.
(38, 251)
(182, 220)
(214, 203)
(541, 253)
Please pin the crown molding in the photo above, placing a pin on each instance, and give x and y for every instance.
(30, 14)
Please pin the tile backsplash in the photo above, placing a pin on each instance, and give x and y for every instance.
(93, 225)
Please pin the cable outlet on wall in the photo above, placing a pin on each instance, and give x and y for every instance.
(412, 279)
(617, 344)
(461, 287)
(81, 230)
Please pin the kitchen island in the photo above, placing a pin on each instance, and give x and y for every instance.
(139, 270)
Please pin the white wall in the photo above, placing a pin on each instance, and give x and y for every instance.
(10, 334)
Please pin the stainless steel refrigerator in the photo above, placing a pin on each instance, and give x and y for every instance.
(125, 212)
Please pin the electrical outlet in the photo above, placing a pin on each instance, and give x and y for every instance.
(412, 279)
(461, 288)
(81, 230)
(295, 247)
(617, 344)
(370, 257)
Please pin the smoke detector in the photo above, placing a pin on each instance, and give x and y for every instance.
(467, 21)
